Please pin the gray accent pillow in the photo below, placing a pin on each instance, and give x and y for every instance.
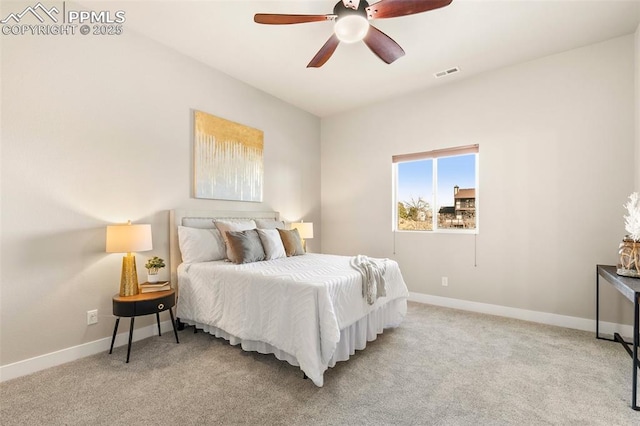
(225, 226)
(292, 242)
(245, 246)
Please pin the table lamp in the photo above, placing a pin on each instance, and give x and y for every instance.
(305, 229)
(127, 239)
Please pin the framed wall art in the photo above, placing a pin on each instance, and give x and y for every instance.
(228, 159)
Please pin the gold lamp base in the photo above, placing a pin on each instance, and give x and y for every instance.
(129, 277)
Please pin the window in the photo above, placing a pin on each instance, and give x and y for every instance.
(436, 190)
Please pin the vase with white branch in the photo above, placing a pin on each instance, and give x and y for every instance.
(630, 247)
(153, 266)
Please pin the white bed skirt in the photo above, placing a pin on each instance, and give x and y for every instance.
(352, 338)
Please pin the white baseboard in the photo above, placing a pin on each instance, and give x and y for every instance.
(523, 314)
(31, 365)
(42, 362)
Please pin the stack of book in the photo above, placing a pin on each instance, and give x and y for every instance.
(151, 287)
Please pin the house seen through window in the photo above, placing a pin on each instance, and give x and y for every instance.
(436, 190)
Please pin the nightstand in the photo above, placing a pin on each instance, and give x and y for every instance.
(143, 304)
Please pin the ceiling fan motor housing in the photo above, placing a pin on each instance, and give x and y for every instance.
(341, 10)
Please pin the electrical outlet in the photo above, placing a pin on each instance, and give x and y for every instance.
(92, 317)
(445, 281)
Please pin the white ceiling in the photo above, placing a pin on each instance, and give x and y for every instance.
(475, 35)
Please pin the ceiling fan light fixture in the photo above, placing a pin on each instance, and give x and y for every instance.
(351, 25)
(351, 28)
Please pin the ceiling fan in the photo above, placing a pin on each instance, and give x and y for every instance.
(351, 25)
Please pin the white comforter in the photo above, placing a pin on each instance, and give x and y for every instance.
(297, 304)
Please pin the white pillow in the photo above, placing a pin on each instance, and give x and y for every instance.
(269, 224)
(272, 243)
(200, 245)
(232, 225)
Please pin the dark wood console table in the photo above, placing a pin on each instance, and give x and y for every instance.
(630, 288)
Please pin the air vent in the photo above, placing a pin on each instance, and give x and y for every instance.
(447, 72)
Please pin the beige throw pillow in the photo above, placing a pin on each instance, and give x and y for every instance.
(292, 242)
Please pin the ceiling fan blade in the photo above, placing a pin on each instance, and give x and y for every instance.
(382, 45)
(394, 8)
(278, 19)
(325, 52)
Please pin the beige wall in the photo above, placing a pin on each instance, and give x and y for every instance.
(556, 142)
(97, 130)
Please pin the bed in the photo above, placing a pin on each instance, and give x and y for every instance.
(308, 310)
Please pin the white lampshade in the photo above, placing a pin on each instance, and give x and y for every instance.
(305, 229)
(128, 238)
(351, 28)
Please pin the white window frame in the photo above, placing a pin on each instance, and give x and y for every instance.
(434, 155)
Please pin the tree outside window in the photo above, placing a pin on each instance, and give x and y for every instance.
(436, 190)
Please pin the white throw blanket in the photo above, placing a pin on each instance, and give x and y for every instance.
(372, 270)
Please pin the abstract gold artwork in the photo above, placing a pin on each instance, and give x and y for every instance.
(228, 159)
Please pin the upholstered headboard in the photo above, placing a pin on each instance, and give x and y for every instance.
(202, 219)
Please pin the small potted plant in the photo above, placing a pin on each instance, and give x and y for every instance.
(630, 247)
(153, 265)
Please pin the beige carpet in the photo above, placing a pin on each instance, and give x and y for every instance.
(441, 367)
